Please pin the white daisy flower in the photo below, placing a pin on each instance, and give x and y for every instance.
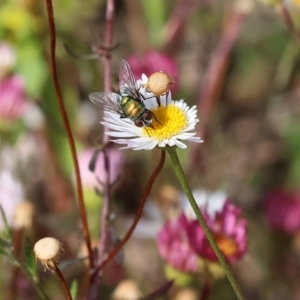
(172, 123)
(211, 202)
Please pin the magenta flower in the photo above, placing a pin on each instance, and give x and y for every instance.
(89, 179)
(184, 246)
(283, 210)
(228, 230)
(174, 246)
(153, 62)
(12, 98)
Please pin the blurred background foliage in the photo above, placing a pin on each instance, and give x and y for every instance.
(251, 131)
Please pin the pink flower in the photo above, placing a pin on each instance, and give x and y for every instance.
(174, 246)
(182, 242)
(153, 62)
(228, 230)
(12, 99)
(283, 210)
(89, 179)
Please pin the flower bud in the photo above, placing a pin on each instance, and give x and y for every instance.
(23, 215)
(159, 83)
(127, 290)
(48, 250)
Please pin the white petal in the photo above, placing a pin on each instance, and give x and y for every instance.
(180, 145)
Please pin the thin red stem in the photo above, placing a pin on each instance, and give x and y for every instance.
(206, 290)
(214, 78)
(68, 130)
(173, 31)
(110, 8)
(63, 282)
(137, 217)
(289, 21)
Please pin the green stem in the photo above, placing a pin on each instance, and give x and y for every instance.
(34, 283)
(179, 172)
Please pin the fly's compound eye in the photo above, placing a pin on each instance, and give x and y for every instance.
(138, 123)
(147, 116)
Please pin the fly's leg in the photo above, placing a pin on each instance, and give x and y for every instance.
(147, 130)
(157, 97)
(158, 100)
(156, 119)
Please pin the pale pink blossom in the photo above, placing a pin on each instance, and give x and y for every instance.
(174, 246)
(7, 59)
(12, 98)
(94, 179)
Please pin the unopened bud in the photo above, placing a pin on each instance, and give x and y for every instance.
(48, 250)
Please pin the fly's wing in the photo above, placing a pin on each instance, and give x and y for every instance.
(107, 101)
(127, 80)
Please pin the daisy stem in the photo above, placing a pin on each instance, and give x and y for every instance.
(179, 172)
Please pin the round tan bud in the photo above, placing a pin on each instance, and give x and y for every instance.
(48, 250)
(127, 290)
(24, 213)
(245, 6)
(169, 201)
(187, 294)
(159, 83)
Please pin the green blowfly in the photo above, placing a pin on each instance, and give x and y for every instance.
(129, 103)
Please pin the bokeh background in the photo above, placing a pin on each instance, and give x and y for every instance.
(238, 61)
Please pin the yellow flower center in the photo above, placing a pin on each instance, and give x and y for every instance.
(167, 121)
(226, 244)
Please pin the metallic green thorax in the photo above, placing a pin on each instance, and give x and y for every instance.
(132, 108)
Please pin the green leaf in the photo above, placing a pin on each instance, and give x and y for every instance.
(30, 261)
(74, 289)
(3, 252)
(290, 136)
(293, 175)
(4, 243)
(5, 223)
(155, 11)
(16, 22)
(31, 64)
(182, 279)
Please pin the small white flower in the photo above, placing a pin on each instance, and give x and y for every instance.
(212, 203)
(11, 194)
(8, 56)
(172, 123)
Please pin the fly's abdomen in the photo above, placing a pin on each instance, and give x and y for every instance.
(132, 108)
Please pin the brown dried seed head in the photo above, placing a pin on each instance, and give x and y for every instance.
(48, 250)
(159, 83)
